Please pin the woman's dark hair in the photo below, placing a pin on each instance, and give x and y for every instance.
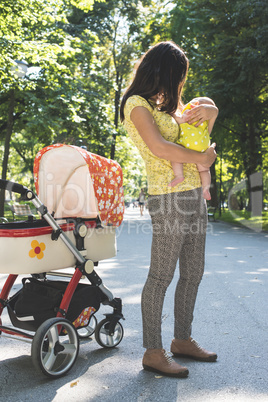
(163, 69)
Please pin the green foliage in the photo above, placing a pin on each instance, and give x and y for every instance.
(227, 45)
(81, 54)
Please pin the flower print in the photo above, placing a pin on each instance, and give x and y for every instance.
(118, 179)
(101, 204)
(37, 249)
(110, 192)
(121, 208)
(99, 191)
(102, 180)
(108, 204)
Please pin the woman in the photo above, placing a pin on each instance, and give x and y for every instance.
(178, 213)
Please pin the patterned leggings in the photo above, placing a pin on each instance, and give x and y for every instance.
(179, 223)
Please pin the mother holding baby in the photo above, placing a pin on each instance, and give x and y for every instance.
(151, 111)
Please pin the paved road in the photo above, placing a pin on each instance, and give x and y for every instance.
(230, 318)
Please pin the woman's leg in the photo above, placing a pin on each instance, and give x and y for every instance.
(169, 222)
(191, 262)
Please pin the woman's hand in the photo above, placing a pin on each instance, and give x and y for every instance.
(201, 113)
(209, 155)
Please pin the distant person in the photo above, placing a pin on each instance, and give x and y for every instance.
(141, 201)
(146, 110)
(197, 139)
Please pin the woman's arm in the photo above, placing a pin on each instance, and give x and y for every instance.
(149, 132)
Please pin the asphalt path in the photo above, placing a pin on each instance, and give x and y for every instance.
(230, 319)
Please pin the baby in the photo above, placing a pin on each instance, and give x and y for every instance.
(197, 139)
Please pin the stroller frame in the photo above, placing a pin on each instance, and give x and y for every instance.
(50, 354)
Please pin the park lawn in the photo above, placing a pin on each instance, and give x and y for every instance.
(243, 218)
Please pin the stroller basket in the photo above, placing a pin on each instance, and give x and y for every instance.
(38, 301)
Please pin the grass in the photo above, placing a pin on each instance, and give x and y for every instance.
(10, 218)
(244, 218)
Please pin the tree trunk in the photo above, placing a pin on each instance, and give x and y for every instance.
(213, 188)
(116, 110)
(7, 147)
(254, 173)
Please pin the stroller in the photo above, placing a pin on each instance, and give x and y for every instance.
(80, 202)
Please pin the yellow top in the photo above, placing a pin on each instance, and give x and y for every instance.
(159, 171)
(195, 138)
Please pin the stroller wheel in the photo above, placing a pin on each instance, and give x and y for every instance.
(86, 332)
(102, 334)
(55, 347)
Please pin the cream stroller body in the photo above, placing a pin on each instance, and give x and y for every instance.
(80, 201)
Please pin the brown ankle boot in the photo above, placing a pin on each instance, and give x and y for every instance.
(158, 361)
(190, 348)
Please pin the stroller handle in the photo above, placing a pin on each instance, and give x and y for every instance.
(26, 194)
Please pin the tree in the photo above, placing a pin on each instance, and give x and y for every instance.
(118, 25)
(42, 105)
(80, 55)
(228, 50)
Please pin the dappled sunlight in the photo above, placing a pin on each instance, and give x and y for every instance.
(223, 272)
(110, 264)
(126, 290)
(231, 394)
(133, 260)
(134, 299)
(233, 293)
(97, 379)
(13, 346)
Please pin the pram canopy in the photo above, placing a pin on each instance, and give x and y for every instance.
(73, 182)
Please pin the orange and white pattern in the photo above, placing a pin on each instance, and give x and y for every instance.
(107, 179)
